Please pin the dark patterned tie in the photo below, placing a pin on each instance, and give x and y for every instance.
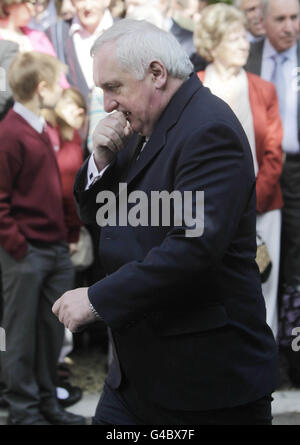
(139, 147)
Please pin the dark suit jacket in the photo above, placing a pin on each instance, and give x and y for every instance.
(186, 40)
(65, 49)
(254, 65)
(187, 314)
(184, 36)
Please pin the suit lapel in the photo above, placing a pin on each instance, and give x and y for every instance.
(151, 149)
(168, 119)
(254, 63)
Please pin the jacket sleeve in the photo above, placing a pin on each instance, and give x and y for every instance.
(271, 166)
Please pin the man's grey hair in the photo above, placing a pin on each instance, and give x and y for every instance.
(238, 3)
(265, 7)
(139, 43)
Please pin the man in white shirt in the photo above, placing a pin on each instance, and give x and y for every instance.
(277, 59)
(73, 40)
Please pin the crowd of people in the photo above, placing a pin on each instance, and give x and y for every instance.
(246, 53)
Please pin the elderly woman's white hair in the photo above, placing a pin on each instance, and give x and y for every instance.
(139, 43)
(215, 21)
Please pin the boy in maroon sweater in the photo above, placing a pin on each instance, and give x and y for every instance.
(34, 254)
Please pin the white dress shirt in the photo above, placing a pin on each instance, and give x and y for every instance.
(252, 39)
(83, 42)
(290, 141)
(93, 174)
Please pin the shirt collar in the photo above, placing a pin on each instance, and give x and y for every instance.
(32, 119)
(269, 51)
(105, 23)
(252, 39)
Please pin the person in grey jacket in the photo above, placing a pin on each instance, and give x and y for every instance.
(8, 50)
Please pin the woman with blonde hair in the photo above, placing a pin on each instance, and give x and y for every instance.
(220, 37)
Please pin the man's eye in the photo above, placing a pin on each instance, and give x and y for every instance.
(113, 87)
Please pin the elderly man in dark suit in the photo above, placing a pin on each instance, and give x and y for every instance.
(72, 40)
(277, 58)
(182, 295)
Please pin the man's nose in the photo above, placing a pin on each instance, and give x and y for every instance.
(289, 26)
(89, 4)
(110, 104)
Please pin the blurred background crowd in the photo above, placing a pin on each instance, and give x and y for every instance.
(247, 52)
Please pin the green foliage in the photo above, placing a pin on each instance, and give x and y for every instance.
(211, 2)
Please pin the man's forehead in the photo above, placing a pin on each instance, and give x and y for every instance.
(283, 8)
(97, 4)
(247, 4)
(107, 69)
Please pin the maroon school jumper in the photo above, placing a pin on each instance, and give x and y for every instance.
(30, 188)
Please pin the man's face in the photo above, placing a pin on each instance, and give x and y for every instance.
(67, 10)
(139, 100)
(282, 23)
(253, 12)
(40, 6)
(90, 12)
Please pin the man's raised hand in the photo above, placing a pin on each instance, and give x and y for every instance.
(110, 136)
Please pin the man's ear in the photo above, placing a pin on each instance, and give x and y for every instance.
(41, 87)
(159, 74)
(40, 91)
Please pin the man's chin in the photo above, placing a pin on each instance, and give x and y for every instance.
(287, 44)
(258, 31)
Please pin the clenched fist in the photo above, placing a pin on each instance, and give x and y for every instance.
(110, 136)
(73, 309)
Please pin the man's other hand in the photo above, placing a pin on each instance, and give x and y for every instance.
(73, 309)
